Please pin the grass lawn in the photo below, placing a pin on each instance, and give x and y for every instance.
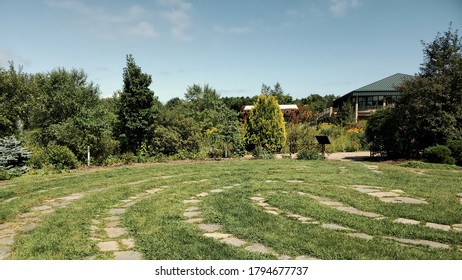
(286, 208)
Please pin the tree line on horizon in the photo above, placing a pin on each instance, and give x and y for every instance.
(58, 114)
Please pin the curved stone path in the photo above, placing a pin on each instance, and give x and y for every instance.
(111, 236)
(341, 207)
(28, 221)
(193, 215)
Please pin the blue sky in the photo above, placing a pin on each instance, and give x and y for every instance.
(308, 46)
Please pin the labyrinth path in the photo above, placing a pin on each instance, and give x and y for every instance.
(28, 221)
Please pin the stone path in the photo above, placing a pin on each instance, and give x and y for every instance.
(339, 206)
(376, 190)
(28, 221)
(193, 215)
(111, 236)
(393, 196)
(261, 202)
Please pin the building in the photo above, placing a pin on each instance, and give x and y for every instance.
(290, 110)
(369, 98)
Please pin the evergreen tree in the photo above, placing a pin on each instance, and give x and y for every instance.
(135, 108)
(265, 127)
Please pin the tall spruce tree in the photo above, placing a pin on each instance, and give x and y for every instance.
(265, 128)
(135, 108)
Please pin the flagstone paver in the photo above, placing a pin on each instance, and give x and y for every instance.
(213, 230)
(108, 246)
(115, 239)
(406, 221)
(393, 196)
(432, 244)
(30, 220)
(438, 226)
(128, 255)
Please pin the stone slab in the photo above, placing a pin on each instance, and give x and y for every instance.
(202, 194)
(153, 191)
(191, 201)
(209, 227)
(295, 181)
(217, 191)
(335, 227)
(6, 231)
(406, 221)
(358, 212)
(383, 194)
(305, 258)
(272, 212)
(234, 241)
(5, 225)
(191, 209)
(438, 226)
(429, 243)
(361, 235)
(28, 227)
(141, 194)
(117, 211)
(217, 235)
(112, 218)
(331, 203)
(366, 190)
(128, 255)
(192, 214)
(113, 224)
(194, 221)
(257, 198)
(41, 208)
(129, 243)
(409, 200)
(4, 252)
(115, 232)
(108, 246)
(6, 241)
(258, 248)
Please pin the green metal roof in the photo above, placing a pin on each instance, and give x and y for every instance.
(386, 86)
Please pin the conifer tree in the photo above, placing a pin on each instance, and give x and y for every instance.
(265, 128)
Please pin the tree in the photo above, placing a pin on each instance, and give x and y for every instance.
(277, 92)
(135, 108)
(431, 108)
(265, 127)
(430, 111)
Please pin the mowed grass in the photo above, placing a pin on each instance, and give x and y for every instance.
(158, 226)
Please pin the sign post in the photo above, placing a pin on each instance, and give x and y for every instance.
(323, 140)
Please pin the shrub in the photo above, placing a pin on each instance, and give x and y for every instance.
(61, 157)
(309, 154)
(439, 154)
(456, 150)
(260, 153)
(13, 157)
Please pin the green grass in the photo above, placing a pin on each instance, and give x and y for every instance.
(158, 228)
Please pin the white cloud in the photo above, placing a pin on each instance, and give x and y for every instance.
(109, 23)
(142, 29)
(232, 30)
(178, 13)
(340, 7)
(6, 57)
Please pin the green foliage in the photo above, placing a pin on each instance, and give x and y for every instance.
(61, 157)
(135, 108)
(439, 154)
(13, 157)
(384, 134)
(309, 154)
(261, 153)
(456, 150)
(265, 127)
(430, 111)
